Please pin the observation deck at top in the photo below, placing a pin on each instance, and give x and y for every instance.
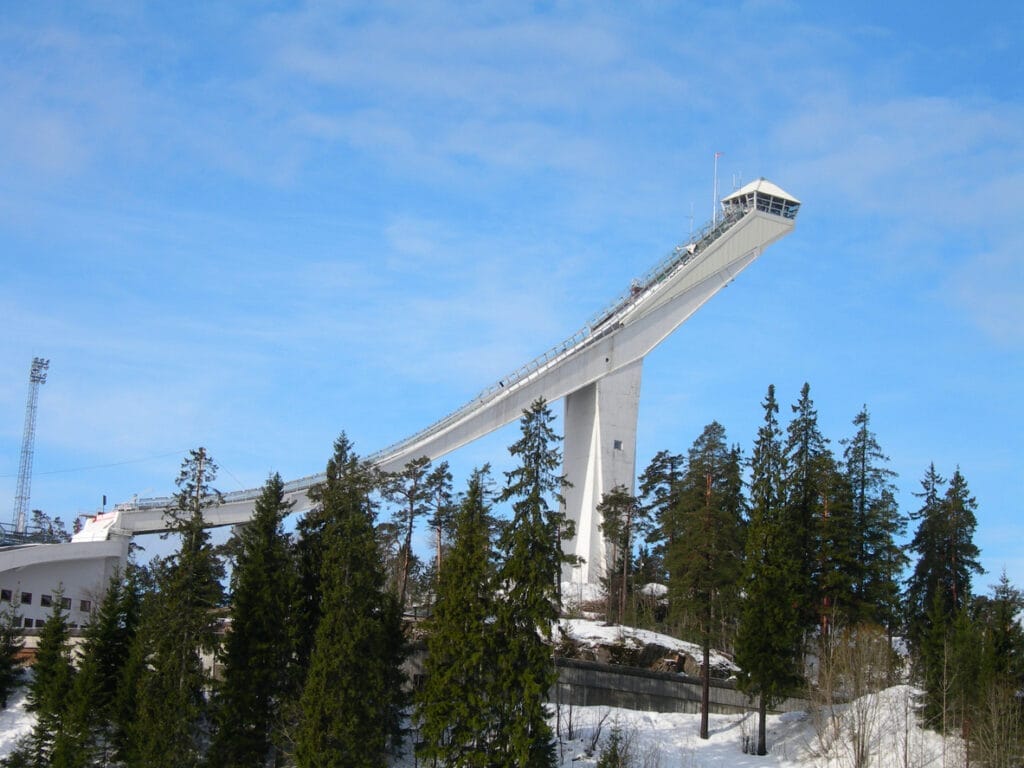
(596, 370)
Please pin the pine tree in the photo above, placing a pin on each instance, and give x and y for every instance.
(705, 562)
(410, 491)
(11, 643)
(258, 652)
(455, 707)
(528, 579)
(620, 517)
(439, 483)
(769, 640)
(351, 701)
(172, 708)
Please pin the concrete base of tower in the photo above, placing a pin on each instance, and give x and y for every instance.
(599, 453)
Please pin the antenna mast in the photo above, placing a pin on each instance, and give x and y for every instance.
(714, 202)
(36, 376)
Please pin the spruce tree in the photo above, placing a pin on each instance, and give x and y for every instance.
(659, 494)
(48, 691)
(837, 570)
(91, 714)
(258, 651)
(528, 579)
(11, 643)
(706, 560)
(455, 707)
(878, 524)
(769, 640)
(172, 716)
(351, 701)
(343, 469)
(947, 555)
(1004, 635)
(929, 545)
(808, 464)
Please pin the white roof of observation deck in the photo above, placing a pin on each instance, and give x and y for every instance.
(764, 187)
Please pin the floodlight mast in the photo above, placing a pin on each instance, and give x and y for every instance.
(36, 376)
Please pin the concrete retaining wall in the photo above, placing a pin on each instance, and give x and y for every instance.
(587, 683)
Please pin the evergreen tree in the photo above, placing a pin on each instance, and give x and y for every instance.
(769, 640)
(837, 570)
(171, 723)
(620, 517)
(52, 680)
(91, 713)
(706, 560)
(528, 579)
(1004, 635)
(455, 707)
(343, 470)
(410, 491)
(929, 544)
(947, 555)
(11, 643)
(258, 652)
(808, 462)
(878, 523)
(615, 753)
(659, 494)
(443, 510)
(350, 703)
(960, 508)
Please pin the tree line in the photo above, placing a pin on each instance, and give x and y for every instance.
(784, 558)
(782, 554)
(300, 661)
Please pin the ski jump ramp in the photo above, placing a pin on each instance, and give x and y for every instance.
(596, 371)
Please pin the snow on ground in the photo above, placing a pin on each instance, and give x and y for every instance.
(594, 633)
(15, 721)
(886, 721)
(671, 740)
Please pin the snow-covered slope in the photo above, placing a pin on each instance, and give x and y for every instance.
(586, 633)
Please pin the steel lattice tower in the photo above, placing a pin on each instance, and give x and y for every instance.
(36, 376)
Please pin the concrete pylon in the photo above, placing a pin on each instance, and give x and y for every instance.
(599, 453)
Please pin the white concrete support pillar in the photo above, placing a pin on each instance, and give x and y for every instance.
(599, 453)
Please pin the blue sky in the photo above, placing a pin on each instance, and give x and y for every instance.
(251, 226)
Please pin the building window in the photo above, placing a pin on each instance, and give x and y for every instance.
(6, 595)
(617, 445)
(45, 601)
(26, 598)
(28, 623)
(85, 606)
(65, 603)
(40, 623)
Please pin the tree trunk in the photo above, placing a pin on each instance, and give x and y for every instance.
(762, 716)
(705, 690)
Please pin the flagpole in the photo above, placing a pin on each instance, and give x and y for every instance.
(714, 202)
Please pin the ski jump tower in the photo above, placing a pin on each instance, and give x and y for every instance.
(596, 371)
